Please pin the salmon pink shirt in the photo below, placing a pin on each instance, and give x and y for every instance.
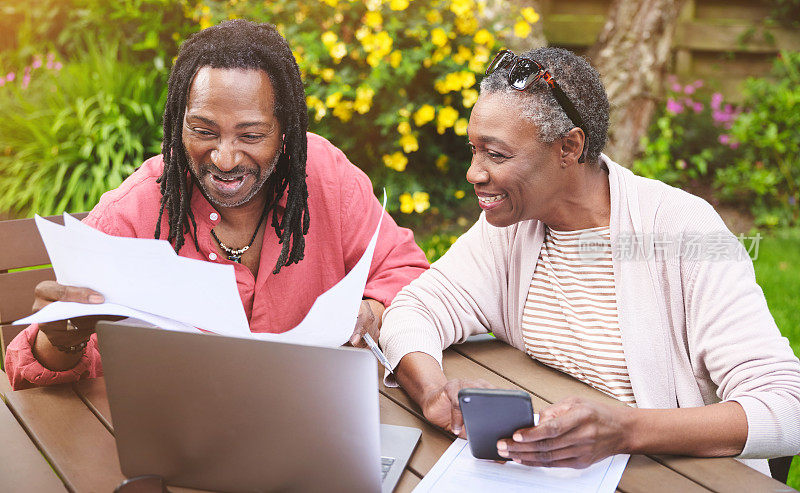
(343, 215)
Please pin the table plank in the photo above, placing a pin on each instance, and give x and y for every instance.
(70, 436)
(720, 474)
(22, 467)
(92, 392)
(408, 481)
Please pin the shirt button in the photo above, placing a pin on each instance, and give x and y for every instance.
(212, 256)
(214, 216)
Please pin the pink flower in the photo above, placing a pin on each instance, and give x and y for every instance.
(724, 139)
(674, 107)
(2, 81)
(26, 79)
(716, 100)
(689, 89)
(49, 64)
(698, 83)
(51, 56)
(37, 62)
(697, 107)
(676, 87)
(733, 145)
(57, 66)
(10, 76)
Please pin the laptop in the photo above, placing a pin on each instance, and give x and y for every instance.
(227, 414)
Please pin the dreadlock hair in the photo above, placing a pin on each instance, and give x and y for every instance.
(239, 44)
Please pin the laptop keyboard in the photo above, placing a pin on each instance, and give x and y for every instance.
(386, 464)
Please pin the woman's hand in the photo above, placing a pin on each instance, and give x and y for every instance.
(440, 405)
(572, 433)
(368, 322)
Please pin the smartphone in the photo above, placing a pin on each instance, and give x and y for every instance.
(492, 414)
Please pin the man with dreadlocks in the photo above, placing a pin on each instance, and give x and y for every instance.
(237, 164)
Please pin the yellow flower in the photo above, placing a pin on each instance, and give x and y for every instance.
(441, 53)
(484, 37)
(461, 7)
(205, 9)
(424, 114)
(468, 97)
(373, 4)
(404, 112)
(460, 126)
(397, 161)
(522, 29)
(466, 24)
(404, 128)
(338, 51)
(447, 118)
(373, 19)
(332, 3)
(362, 32)
(463, 56)
(395, 58)
(409, 143)
(343, 111)
(329, 38)
(530, 15)
(363, 100)
(459, 194)
(467, 79)
(406, 203)
(205, 23)
(441, 163)
(327, 74)
(434, 17)
(421, 201)
(333, 99)
(398, 4)
(439, 37)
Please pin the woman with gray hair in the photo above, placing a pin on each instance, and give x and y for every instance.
(631, 286)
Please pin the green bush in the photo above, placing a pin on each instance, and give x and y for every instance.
(766, 171)
(71, 132)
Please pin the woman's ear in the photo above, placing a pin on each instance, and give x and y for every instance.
(572, 146)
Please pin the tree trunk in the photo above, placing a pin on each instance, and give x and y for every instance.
(631, 53)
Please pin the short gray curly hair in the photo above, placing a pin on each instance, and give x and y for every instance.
(578, 79)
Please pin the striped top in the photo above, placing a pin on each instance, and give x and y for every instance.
(570, 317)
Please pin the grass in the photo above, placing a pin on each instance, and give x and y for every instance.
(778, 272)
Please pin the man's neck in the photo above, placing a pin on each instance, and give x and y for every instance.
(246, 216)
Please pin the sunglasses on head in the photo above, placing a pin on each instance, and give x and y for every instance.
(522, 72)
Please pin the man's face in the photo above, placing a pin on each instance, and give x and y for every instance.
(232, 137)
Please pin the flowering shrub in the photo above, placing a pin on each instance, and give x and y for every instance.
(391, 82)
(689, 137)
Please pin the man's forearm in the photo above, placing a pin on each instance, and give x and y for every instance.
(419, 373)
(716, 430)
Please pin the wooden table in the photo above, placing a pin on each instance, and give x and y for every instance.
(71, 426)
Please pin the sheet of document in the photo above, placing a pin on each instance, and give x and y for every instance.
(143, 275)
(146, 280)
(332, 317)
(457, 471)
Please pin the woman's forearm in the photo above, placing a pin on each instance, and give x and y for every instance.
(716, 430)
(419, 373)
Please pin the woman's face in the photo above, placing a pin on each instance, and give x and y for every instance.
(516, 177)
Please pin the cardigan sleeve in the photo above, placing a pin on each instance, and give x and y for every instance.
(734, 340)
(459, 296)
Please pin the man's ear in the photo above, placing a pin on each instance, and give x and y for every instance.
(572, 146)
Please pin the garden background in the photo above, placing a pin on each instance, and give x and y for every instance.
(705, 96)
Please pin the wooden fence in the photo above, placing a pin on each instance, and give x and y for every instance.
(722, 42)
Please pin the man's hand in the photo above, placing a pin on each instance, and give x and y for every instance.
(369, 321)
(56, 333)
(440, 405)
(572, 433)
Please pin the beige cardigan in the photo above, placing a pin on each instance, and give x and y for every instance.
(695, 326)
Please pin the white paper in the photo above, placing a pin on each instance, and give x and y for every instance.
(143, 275)
(457, 471)
(332, 317)
(145, 279)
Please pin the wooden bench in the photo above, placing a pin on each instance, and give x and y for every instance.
(21, 247)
